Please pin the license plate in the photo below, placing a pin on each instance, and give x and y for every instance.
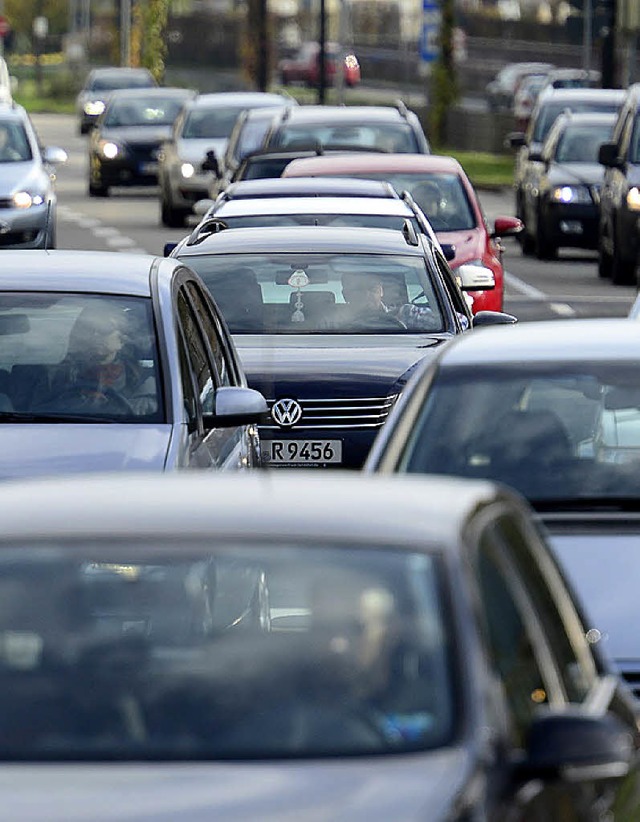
(301, 452)
(148, 168)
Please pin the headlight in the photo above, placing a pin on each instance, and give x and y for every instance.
(571, 194)
(93, 107)
(633, 199)
(187, 170)
(22, 199)
(109, 150)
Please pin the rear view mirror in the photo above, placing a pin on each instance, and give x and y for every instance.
(211, 163)
(516, 139)
(168, 248)
(535, 156)
(608, 155)
(54, 155)
(236, 405)
(475, 277)
(449, 251)
(484, 318)
(506, 227)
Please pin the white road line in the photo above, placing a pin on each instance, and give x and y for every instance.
(135, 250)
(524, 288)
(121, 241)
(562, 309)
(105, 231)
(89, 222)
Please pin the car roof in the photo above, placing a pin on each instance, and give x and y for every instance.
(569, 95)
(108, 272)
(314, 205)
(119, 70)
(380, 163)
(588, 118)
(414, 512)
(240, 98)
(351, 114)
(546, 342)
(12, 111)
(312, 187)
(154, 91)
(295, 239)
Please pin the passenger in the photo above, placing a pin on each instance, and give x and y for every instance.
(365, 299)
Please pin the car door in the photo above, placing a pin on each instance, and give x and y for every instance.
(537, 644)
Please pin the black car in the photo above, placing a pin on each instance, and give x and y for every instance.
(551, 103)
(618, 239)
(299, 302)
(124, 145)
(100, 85)
(563, 210)
(383, 128)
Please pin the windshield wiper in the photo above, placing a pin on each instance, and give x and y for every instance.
(18, 417)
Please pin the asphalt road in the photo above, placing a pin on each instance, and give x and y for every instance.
(129, 220)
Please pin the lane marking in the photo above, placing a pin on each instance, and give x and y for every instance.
(121, 241)
(105, 231)
(524, 288)
(562, 309)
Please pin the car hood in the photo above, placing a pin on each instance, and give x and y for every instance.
(19, 177)
(469, 244)
(194, 151)
(31, 449)
(602, 563)
(394, 787)
(137, 134)
(350, 364)
(572, 173)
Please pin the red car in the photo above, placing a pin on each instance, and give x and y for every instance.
(305, 66)
(443, 191)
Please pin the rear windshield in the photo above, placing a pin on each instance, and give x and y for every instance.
(175, 650)
(143, 111)
(580, 144)
(393, 137)
(117, 81)
(214, 123)
(547, 114)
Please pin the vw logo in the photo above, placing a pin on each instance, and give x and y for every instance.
(5, 228)
(286, 412)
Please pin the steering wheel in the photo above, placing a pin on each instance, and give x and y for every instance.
(87, 396)
(377, 321)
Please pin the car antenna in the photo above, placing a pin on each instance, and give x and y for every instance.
(47, 231)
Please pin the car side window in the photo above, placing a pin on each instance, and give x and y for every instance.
(625, 136)
(212, 332)
(197, 355)
(455, 294)
(561, 625)
(187, 379)
(512, 651)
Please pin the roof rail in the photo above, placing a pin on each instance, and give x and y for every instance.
(285, 113)
(212, 225)
(410, 234)
(404, 111)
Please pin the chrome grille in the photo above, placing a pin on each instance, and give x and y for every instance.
(336, 414)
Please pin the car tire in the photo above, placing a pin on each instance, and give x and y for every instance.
(605, 262)
(545, 248)
(172, 217)
(98, 190)
(623, 272)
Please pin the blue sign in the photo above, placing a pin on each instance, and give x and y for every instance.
(429, 45)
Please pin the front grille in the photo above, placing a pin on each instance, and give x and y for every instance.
(7, 202)
(144, 152)
(17, 238)
(337, 414)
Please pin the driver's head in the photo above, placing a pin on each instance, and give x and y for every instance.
(97, 336)
(362, 290)
(428, 196)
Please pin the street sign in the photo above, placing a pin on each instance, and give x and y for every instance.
(5, 26)
(429, 45)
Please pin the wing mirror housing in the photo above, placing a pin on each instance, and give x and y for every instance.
(484, 318)
(536, 157)
(516, 139)
(449, 251)
(54, 155)
(168, 248)
(576, 746)
(608, 156)
(506, 227)
(237, 405)
(475, 277)
(210, 163)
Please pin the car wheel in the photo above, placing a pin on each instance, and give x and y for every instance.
(546, 249)
(604, 262)
(623, 272)
(172, 217)
(98, 190)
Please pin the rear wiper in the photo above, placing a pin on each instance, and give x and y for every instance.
(18, 417)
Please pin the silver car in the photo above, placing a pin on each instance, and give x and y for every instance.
(200, 135)
(27, 192)
(117, 362)
(307, 647)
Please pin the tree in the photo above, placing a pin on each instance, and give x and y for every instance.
(444, 81)
(148, 37)
(21, 14)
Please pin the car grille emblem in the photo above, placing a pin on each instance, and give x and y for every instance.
(286, 413)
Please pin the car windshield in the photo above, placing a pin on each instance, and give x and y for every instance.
(143, 111)
(14, 143)
(548, 114)
(174, 650)
(260, 169)
(552, 433)
(580, 144)
(363, 220)
(321, 293)
(442, 197)
(112, 82)
(210, 123)
(394, 137)
(78, 357)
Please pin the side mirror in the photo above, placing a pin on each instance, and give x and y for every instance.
(236, 405)
(449, 251)
(54, 155)
(576, 746)
(201, 207)
(608, 156)
(483, 318)
(516, 139)
(536, 157)
(210, 163)
(475, 277)
(168, 248)
(506, 227)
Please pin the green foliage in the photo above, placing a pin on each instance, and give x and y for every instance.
(444, 81)
(153, 48)
(21, 13)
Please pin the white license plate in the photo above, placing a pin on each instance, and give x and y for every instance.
(148, 168)
(301, 452)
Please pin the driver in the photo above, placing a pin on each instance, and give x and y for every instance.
(364, 296)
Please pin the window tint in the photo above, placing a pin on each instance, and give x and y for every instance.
(211, 332)
(197, 355)
(186, 377)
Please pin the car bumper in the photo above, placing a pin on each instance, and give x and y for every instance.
(24, 228)
(186, 192)
(128, 172)
(310, 448)
(572, 225)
